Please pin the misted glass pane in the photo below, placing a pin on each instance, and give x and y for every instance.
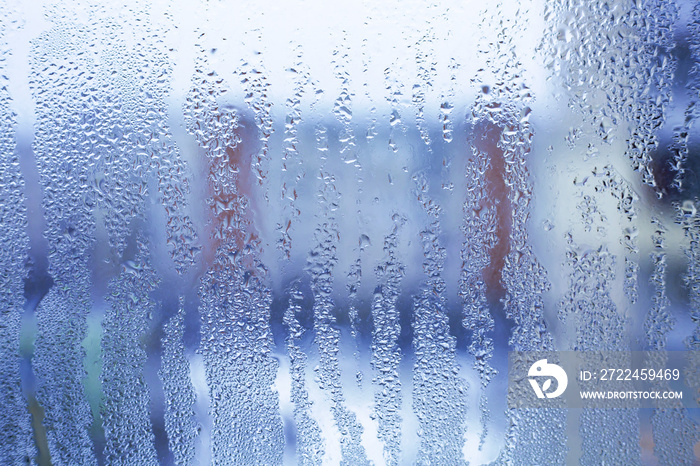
(303, 232)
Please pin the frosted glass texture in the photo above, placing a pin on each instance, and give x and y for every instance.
(303, 232)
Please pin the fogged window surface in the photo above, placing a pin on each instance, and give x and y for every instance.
(301, 232)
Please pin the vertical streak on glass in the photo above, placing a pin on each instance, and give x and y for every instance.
(686, 34)
(525, 282)
(189, 424)
(386, 352)
(659, 320)
(321, 263)
(128, 430)
(354, 280)
(479, 227)
(438, 393)
(410, 443)
(627, 206)
(447, 103)
(692, 92)
(394, 90)
(342, 109)
(235, 300)
(200, 111)
(167, 165)
(60, 87)
(425, 60)
(175, 375)
(236, 349)
(309, 442)
(15, 423)
(350, 178)
(365, 99)
(674, 433)
(643, 84)
(292, 168)
(517, 276)
(254, 78)
(690, 222)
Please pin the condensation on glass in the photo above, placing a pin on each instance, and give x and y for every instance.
(304, 233)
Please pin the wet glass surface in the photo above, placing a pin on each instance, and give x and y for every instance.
(265, 233)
